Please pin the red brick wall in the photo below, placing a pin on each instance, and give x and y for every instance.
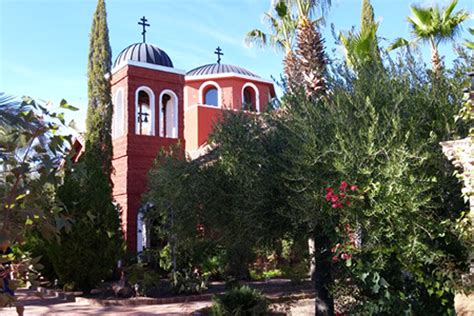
(133, 154)
(200, 119)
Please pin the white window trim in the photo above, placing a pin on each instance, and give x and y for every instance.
(219, 93)
(175, 108)
(152, 109)
(118, 131)
(257, 95)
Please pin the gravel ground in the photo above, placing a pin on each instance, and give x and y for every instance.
(50, 305)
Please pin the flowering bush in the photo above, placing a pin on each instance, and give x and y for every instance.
(338, 198)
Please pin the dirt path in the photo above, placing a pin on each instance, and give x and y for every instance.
(50, 305)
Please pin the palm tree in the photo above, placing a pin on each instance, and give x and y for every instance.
(433, 25)
(281, 37)
(362, 47)
(310, 45)
(294, 31)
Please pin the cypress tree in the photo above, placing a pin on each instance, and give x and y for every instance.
(99, 112)
(89, 253)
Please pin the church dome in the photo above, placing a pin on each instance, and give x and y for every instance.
(214, 69)
(144, 52)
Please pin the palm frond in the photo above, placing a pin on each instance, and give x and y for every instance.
(399, 42)
(421, 17)
(449, 9)
(256, 37)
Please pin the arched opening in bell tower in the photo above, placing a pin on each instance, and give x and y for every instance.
(168, 114)
(144, 110)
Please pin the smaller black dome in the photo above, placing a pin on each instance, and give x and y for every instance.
(144, 52)
(214, 69)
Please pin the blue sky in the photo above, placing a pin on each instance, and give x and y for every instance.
(44, 43)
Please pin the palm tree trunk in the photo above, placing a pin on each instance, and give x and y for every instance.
(436, 62)
(324, 302)
(310, 50)
(291, 71)
(312, 262)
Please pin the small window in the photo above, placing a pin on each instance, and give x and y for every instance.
(211, 97)
(118, 116)
(249, 102)
(144, 118)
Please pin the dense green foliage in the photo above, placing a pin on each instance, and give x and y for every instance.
(268, 176)
(241, 301)
(221, 203)
(31, 151)
(362, 48)
(381, 130)
(89, 253)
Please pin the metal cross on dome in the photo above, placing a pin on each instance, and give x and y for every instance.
(144, 24)
(219, 53)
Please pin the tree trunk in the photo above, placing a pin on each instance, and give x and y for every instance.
(324, 302)
(312, 262)
(292, 72)
(436, 62)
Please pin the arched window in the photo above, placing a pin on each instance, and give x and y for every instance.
(118, 115)
(250, 98)
(211, 96)
(144, 117)
(168, 114)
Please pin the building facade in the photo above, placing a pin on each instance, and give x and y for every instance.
(157, 106)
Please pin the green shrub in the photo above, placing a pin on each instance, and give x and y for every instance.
(214, 266)
(257, 275)
(296, 273)
(145, 278)
(187, 282)
(239, 302)
(272, 274)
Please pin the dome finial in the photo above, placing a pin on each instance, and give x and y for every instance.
(219, 53)
(144, 24)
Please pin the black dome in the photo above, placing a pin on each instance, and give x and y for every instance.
(144, 52)
(214, 69)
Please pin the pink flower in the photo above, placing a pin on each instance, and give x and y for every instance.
(348, 202)
(334, 198)
(343, 185)
(354, 187)
(328, 196)
(334, 259)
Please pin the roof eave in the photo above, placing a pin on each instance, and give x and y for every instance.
(148, 66)
(226, 75)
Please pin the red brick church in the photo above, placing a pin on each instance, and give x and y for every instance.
(157, 105)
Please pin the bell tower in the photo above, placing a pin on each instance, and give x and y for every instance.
(147, 96)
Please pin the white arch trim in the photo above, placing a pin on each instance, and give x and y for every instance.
(204, 86)
(257, 95)
(152, 108)
(118, 128)
(174, 97)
